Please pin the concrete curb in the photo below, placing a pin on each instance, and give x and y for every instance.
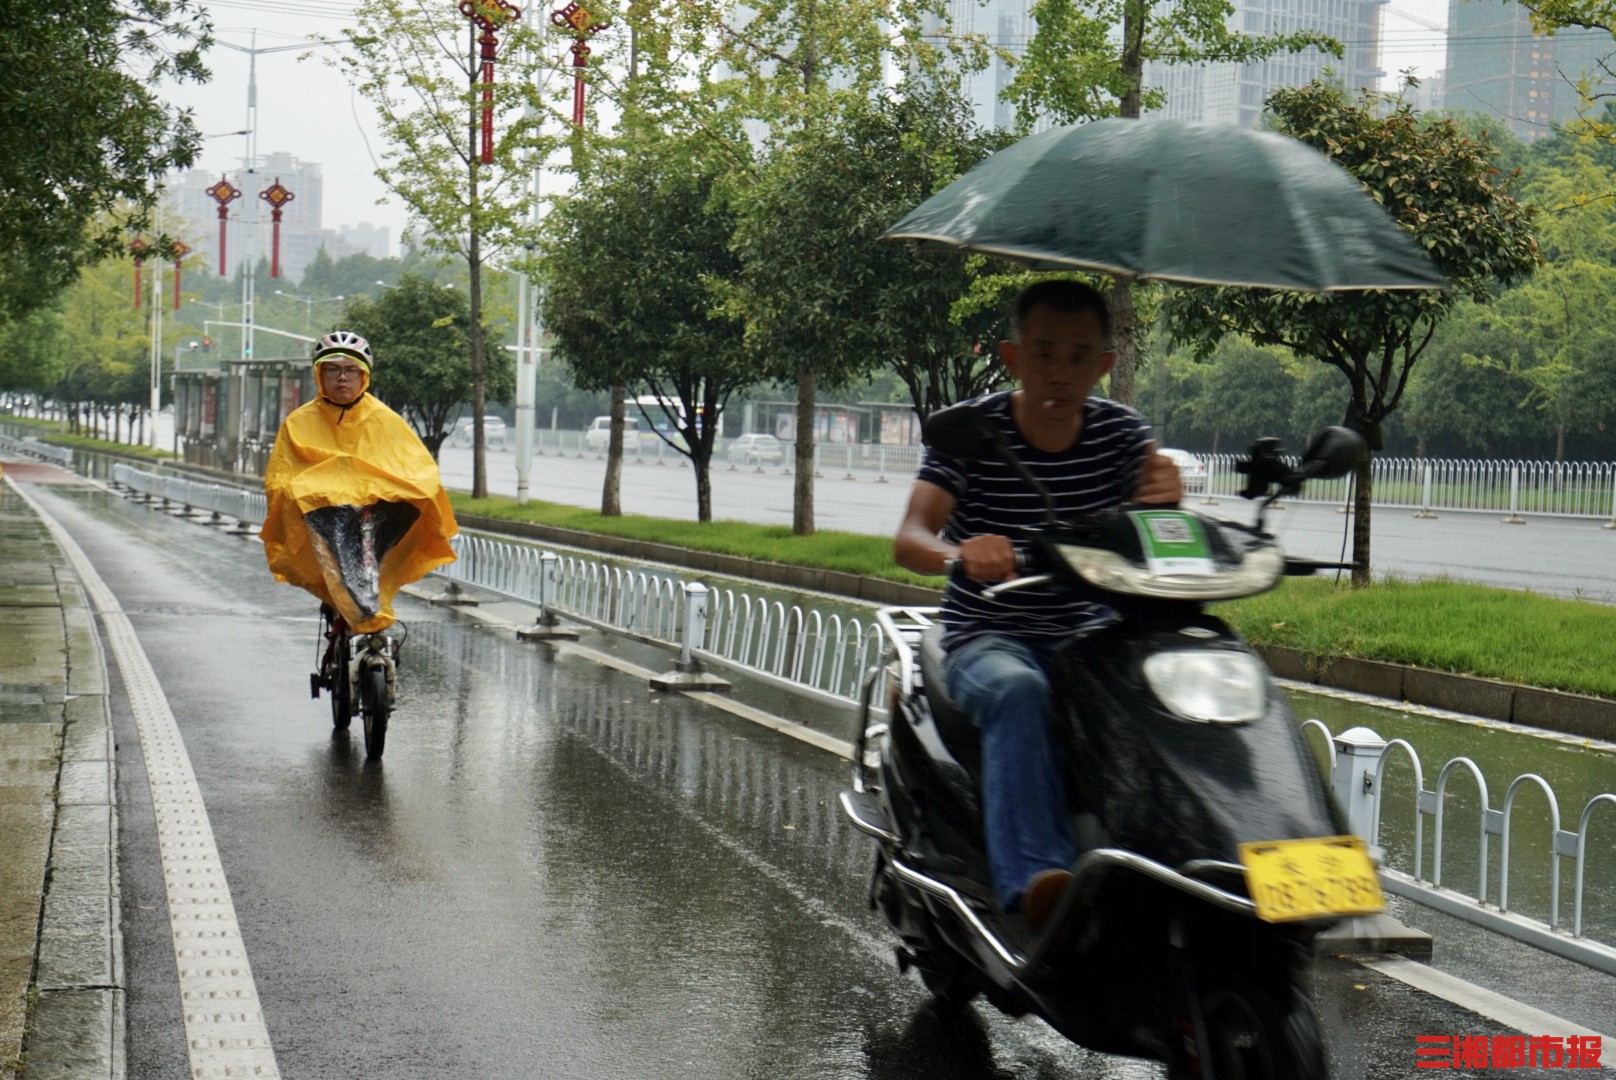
(75, 1025)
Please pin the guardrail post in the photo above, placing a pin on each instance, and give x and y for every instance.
(1514, 497)
(1425, 496)
(881, 472)
(1357, 752)
(547, 627)
(1611, 524)
(1208, 498)
(688, 673)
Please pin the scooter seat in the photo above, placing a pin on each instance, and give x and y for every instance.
(954, 725)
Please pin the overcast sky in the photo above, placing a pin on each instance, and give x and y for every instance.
(307, 109)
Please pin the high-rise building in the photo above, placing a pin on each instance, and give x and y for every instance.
(249, 233)
(1234, 93)
(1212, 93)
(1498, 67)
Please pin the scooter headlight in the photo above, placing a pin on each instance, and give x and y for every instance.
(1209, 686)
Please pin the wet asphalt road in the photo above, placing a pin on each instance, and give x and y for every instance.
(555, 872)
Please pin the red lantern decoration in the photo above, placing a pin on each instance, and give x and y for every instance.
(277, 197)
(181, 249)
(581, 23)
(488, 15)
(138, 248)
(223, 193)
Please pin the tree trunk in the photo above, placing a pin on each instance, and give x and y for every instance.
(1124, 337)
(704, 487)
(802, 493)
(1362, 494)
(611, 491)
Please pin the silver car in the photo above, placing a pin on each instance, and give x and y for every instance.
(756, 450)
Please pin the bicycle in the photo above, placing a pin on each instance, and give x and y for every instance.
(358, 669)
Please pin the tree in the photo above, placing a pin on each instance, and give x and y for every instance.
(417, 333)
(637, 258)
(473, 210)
(780, 71)
(1439, 185)
(819, 288)
(1087, 61)
(88, 140)
(1249, 391)
(1466, 394)
(31, 351)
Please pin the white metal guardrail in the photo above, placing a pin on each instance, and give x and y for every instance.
(826, 657)
(1582, 489)
(60, 455)
(247, 508)
(806, 652)
(1359, 760)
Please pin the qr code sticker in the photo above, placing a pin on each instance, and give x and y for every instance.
(1171, 530)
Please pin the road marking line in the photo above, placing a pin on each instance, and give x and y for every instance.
(1478, 999)
(208, 951)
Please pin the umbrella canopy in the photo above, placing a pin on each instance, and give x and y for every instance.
(1196, 204)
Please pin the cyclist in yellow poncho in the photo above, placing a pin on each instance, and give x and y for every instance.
(356, 507)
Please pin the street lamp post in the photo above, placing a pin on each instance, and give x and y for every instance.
(308, 304)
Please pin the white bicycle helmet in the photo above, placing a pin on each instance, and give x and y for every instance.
(346, 344)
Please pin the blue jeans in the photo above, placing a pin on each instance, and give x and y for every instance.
(1004, 686)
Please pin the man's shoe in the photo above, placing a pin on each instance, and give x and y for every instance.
(1042, 894)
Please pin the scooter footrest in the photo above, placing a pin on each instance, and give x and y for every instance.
(867, 815)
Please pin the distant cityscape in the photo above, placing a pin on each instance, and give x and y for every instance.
(1496, 66)
(248, 235)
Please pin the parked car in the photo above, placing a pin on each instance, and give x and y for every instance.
(494, 432)
(1191, 470)
(756, 450)
(598, 435)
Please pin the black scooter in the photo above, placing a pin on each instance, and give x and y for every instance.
(1211, 852)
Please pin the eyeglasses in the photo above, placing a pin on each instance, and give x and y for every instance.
(341, 372)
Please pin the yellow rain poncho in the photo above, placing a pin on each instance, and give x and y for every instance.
(370, 487)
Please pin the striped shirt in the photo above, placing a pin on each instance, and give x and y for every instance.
(1100, 471)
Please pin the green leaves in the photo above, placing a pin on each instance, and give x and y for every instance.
(87, 140)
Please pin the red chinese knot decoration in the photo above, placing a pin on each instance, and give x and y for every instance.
(277, 197)
(223, 193)
(574, 18)
(181, 249)
(488, 15)
(138, 248)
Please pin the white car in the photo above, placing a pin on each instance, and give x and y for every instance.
(598, 435)
(756, 450)
(493, 432)
(1191, 470)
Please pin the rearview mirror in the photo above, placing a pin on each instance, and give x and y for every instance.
(1333, 452)
(960, 431)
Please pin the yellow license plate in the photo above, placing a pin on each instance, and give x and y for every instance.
(1311, 879)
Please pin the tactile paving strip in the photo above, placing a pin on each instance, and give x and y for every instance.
(224, 1025)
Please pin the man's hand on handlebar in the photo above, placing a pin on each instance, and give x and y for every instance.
(988, 559)
(1159, 480)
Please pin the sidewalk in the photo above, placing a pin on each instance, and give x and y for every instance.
(61, 964)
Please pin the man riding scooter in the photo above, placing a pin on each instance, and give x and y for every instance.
(964, 516)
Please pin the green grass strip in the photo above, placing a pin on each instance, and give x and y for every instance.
(1442, 625)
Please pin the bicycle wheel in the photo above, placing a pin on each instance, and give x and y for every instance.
(336, 674)
(373, 703)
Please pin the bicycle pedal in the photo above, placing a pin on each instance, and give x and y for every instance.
(314, 685)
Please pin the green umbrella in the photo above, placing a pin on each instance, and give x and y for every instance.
(1197, 204)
